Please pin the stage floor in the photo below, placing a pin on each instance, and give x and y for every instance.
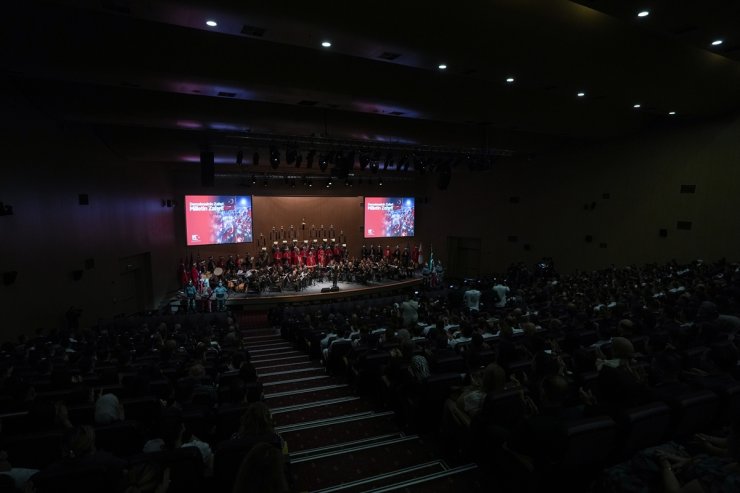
(311, 294)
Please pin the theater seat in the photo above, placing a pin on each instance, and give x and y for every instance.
(185, 464)
(79, 479)
(693, 412)
(590, 444)
(641, 427)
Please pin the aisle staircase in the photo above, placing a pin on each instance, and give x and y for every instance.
(340, 441)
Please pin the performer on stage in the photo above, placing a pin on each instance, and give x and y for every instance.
(194, 274)
(311, 258)
(387, 253)
(321, 257)
(190, 292)
(415, 255)
(277, 256)
(182, 274)
(220, 293)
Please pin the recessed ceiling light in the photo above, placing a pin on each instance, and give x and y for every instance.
(671, 112)
(716, 42)
(510, 80)
(581, 94)
(326, 44)
(442, 66)
(636, 106)
(643, 13)
(211, 23)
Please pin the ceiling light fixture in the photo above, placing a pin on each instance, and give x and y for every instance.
(643, 13)
(636, 106)
(717, 42)
(510, 80)
(211, 23)
(581, 94)
(326, 44)
(671, 112)
(442, 66)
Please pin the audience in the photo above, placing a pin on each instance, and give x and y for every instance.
(566, 344)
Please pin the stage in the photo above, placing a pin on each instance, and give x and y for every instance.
(319, 292)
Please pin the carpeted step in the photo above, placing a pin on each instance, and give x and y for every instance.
(323, 470)
(272, 365)
(323, 411)
(331, 432)
(302, 396)
(299, 383)
(283, 375)
(466, 478)
(387, 479)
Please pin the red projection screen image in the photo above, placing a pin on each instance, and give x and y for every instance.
(389, 217)
(218, 219)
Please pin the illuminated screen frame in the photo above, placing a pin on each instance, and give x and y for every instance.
(200, 225)
(382, 222)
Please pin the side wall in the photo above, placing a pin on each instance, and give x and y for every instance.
(562, 201)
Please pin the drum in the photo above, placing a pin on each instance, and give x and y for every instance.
(218, 271)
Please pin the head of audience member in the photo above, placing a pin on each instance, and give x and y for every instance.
(554, 391)
(493, 379)
(256, 420)
(146, 477)
(78, 441)
(262, 471)
(622, 349)
(108, 409)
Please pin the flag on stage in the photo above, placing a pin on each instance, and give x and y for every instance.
(421, 254)
(431, 257)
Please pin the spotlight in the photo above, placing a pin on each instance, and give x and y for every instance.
(256, 158)
(364, 161)
(380, 181)
(388, 161)
(404, 163)
(420, 165)
(239, 157)
(274, 156)
(254, 179)
(323, 162)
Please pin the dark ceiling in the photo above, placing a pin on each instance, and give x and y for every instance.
(157, 84)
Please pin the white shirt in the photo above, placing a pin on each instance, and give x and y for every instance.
(502, 291)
